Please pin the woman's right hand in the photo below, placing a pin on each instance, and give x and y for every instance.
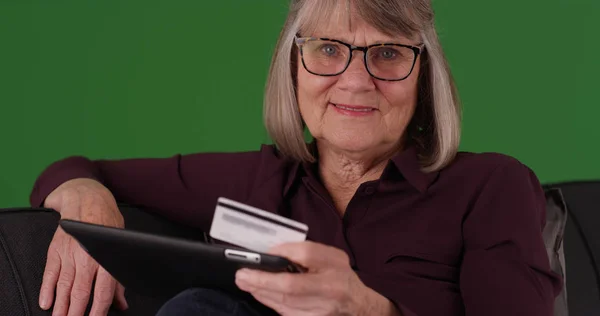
(70, 271)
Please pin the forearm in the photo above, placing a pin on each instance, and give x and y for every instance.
(183, 188)
(146, 182)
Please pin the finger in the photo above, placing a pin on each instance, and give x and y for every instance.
(51, 274)
(119, 301)
(289, 283)
(271, 302)
(311, 255)
(289, 305)
(103, 293)
(85, 270)
(64, 286)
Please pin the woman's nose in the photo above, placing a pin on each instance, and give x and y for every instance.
(356, 76)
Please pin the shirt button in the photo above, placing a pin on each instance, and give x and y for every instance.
(369, 190)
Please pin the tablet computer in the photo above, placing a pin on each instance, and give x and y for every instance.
(161, 265)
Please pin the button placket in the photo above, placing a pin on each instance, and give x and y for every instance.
(342, 222)
(360, 203)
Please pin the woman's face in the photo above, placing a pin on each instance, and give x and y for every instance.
(328, 104)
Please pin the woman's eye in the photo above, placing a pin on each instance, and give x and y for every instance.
(388, 53)
(329, 50)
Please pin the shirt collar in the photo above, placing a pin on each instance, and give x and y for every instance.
(406, 163)
(293, 176)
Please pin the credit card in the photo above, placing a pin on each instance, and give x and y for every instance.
(252, 228)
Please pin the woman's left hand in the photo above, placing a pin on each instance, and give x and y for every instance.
(329, 287)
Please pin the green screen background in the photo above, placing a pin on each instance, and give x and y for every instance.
(121, 79)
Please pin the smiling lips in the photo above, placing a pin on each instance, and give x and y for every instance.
(354, 110)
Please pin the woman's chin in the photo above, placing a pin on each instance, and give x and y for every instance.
(353, 145)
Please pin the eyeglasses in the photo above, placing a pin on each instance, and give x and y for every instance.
(330, 57)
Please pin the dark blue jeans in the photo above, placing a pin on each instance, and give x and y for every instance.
(199, 301)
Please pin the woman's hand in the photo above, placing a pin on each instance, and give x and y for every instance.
(329, 287)
(69, 269)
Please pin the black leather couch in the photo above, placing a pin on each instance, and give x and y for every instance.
(582, 246)
(25, 234)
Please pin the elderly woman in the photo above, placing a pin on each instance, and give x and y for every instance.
(400, 222)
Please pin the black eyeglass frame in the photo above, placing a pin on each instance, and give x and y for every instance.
(417, 50)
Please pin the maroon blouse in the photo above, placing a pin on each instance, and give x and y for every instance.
(466, 240)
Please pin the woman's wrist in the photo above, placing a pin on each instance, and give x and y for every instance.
(85, 200)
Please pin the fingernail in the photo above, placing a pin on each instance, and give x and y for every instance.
(43, 302)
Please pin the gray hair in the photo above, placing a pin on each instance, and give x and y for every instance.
(435, 126)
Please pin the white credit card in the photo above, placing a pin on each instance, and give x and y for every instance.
(252, 228)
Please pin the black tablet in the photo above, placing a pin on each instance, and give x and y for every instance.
(153, 264)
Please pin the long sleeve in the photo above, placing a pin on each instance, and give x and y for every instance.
(185, 187)
(505, 269)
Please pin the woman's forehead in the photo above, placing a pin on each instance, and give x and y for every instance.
(342, 20)
(358, 33)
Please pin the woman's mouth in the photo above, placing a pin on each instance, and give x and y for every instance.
(353, 110)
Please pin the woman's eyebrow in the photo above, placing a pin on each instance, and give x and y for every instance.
(403, 40)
